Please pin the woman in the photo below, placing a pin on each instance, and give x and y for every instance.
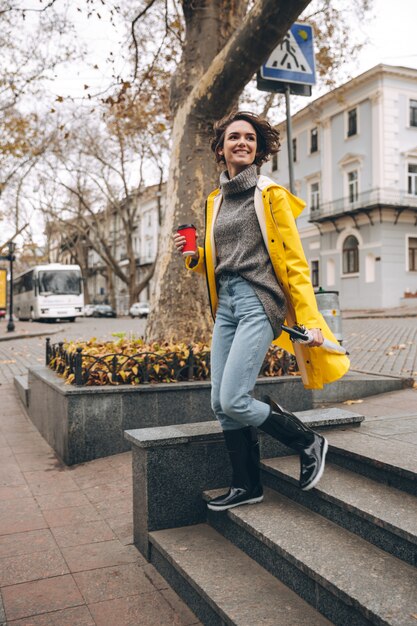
(257, 277)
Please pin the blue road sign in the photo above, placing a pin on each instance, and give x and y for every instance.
(293, 60)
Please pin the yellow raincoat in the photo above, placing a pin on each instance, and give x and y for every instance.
(276, 209)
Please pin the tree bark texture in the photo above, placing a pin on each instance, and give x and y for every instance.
(225, 45)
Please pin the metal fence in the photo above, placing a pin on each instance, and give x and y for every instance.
(140, 368)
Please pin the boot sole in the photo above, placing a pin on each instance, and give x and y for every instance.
(321, 470)
(232, 506)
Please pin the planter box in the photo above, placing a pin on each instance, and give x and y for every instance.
(85, 423)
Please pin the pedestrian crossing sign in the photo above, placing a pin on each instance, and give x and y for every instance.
(293, 60)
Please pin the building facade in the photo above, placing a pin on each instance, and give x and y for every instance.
(355, 163)
(102, 285)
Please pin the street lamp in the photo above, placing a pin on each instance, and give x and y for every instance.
(10, 325)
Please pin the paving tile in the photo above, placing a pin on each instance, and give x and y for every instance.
(113, 582)
(41, 596)
(19, 569)
(41, 482)
(77, 616)
(155, 577)
(62, 500)
(124, 459)
(146, 610)
(121, 505)
(13, 492)
(104, 554)
(26, 542)
(10, 475)
(71, 515)
(93, 478)
(21, 515)
(185, 615)
(90, 532)
(123, 527)
(99, 493)
(32, 462)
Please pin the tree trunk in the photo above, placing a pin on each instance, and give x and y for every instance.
(213, 71)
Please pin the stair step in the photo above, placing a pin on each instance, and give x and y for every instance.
(222, 585)
(343, 576)
(376, 458)
(379, 513)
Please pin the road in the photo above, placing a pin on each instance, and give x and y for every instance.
(380, 345)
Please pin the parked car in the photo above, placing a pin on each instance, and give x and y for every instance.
(2, 313)
(89, 310)
(139, 309)
(104, 310)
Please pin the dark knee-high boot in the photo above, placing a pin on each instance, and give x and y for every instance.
(312, 447)
(243, 449)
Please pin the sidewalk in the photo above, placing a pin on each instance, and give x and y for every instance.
(66, 549)
(409, 310)
(23, 330)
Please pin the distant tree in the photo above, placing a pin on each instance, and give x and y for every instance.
(91, 192)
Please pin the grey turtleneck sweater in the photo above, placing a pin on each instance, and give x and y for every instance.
(240, 246)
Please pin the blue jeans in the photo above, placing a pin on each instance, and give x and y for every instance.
(241, 338)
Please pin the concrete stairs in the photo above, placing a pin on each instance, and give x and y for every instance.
(343, 553)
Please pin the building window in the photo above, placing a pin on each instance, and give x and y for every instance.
(314, 140)
(352, 122)
(412, 254)
(314, 196)
(351, 255)
(413, 112)
(315, 273)
(412, 179)
(294, 150)
(353, 188)
(274, 162)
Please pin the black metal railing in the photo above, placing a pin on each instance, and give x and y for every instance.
(147, 367)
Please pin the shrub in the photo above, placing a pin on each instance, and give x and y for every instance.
(131, 361)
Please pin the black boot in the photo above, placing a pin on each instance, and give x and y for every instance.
(312, 447)
(243, 448)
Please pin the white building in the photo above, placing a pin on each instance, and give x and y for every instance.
(355, 162)
(68, 246)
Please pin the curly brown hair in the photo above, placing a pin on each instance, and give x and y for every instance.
(267, 137)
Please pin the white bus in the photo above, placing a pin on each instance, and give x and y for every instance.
(51, 292)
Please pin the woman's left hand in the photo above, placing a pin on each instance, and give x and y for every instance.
(317, 338)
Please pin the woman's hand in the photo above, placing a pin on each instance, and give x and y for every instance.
(179, 243)
(317, 337)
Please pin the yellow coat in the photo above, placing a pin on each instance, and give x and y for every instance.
(276, 209)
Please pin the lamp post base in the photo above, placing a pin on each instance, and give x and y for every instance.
(10, 326)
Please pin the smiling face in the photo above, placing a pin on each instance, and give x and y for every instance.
(239, 147)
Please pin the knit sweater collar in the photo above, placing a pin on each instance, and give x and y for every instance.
(246, 179)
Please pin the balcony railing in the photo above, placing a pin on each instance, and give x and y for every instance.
(366, 200)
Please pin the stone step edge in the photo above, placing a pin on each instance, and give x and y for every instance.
(199, 431)
(21, 384)
(371, 527)
(304, 570)
(260, 577)
(338, 501)
(368, 459)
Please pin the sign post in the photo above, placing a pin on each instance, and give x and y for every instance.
(290, 69)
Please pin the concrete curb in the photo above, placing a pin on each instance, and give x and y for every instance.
(40, 333)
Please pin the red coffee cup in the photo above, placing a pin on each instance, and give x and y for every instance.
(188, 231)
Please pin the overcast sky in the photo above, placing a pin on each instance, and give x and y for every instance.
(392, 35)
(391, 32)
